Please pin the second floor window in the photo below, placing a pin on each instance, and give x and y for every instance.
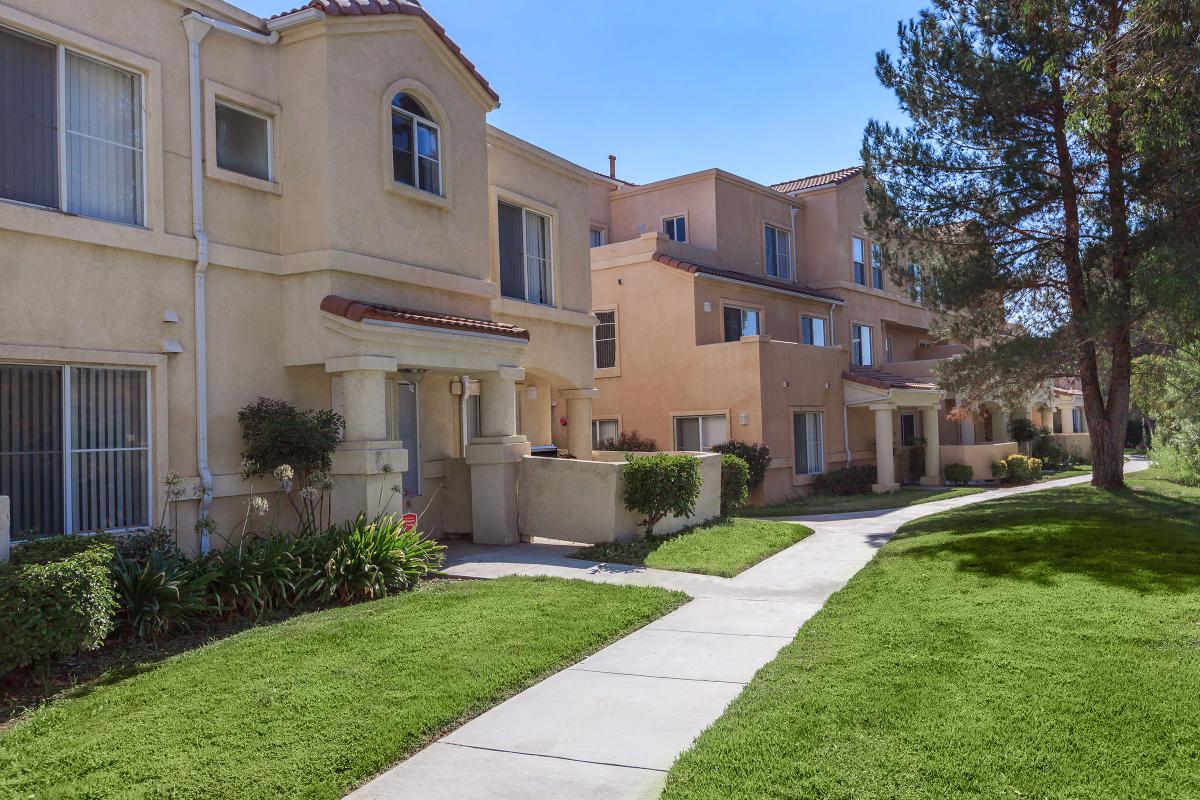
(914, 274)
(606, 340)
(860, 345)
(876, 265)
(88, 159)
(416, 145)
(524, 254)
(675, 228)
(741, 322)
(859, 254)
(243, 142)
(778, 251)
(812, 331)
(596, 237)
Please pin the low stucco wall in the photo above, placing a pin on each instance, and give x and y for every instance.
(583, 501)
(5, 541)
(1077, 444)
(979, 457)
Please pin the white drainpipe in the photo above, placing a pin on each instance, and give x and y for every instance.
(795, 246)
(197, 26)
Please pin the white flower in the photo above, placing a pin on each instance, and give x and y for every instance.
(310, 493)
(248, 469)
(259, 505)
(173, 482)
(284, 473)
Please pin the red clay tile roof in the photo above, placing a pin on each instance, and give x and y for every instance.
(885, 380)
(367, 8)
(358, 310)
(742, 277)
(813, 181)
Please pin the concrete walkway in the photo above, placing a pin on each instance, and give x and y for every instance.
(610, 726)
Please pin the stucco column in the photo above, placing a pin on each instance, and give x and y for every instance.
(579, 421)
(933, 455)
(967, 429)
(495, 459)
(366, 464)
(1000, 427)
(885, 464)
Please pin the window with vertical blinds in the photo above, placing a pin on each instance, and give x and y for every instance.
(698, 434)
(89, 162)
(525, 258)
(74, 448)
(606, 339)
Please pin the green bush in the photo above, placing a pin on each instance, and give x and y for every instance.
(55, 608)
(756, 456)
(160, 593)
(1023, 430)
(627, 443)
(363, 559)
(1021, 469)
(1051, 453)
(257, 575)
(56, 548)
(660, 485)
(958, 474)
(999, 470)
(1179, 456)
(276, 433)
(846, 481)
(735, 484)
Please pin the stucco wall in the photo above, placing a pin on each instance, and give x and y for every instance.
(979, 457)
(583, 501)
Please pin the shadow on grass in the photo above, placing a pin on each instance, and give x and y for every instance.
(1144, 538)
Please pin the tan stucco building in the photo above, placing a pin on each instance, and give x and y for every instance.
(733, 310)
(199, 207)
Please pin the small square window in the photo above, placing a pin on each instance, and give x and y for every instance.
(675, 228)
(243, 142)
(596, 237)
(812, 331)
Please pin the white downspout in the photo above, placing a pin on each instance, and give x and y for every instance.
(197, 26)
(795, 246)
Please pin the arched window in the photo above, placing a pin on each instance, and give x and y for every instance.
(416, 150)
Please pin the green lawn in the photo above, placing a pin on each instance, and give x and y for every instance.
(1041, 646)
(723, 547)
(1069, 472)
(827, 504)
(312, 706)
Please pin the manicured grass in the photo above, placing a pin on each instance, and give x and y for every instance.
(1069, 472)
(312, 706)
(724, 547)
(826, 504)
(1041, 646)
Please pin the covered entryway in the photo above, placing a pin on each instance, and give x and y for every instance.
(900, 406)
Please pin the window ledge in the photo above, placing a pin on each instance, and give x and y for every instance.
(420, 195)
(238, 179)
(608, 372)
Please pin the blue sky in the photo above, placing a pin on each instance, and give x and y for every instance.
(767, 89)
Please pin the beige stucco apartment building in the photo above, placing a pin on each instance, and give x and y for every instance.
(733, 310)
(199, 207)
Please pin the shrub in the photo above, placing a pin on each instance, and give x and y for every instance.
(56, 548)
(1179, 457)
(846, 481)
(55, 608)
(756, 456)
(160, 593)
(1021, 469)
(627, 442)
(276, 433)
(958, 474)
(660, 485)
(999, 470)
(735, 483)
(363, 560)
(1023, 430)
(256, 575)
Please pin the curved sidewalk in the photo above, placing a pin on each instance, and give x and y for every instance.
(610, 726)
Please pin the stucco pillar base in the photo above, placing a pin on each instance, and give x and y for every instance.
(495, 464)
(579, 421)
(364, 474)
(884, 488)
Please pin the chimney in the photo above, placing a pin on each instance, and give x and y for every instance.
(612, 167)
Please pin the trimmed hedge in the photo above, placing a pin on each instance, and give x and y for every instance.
(662, 485)
(54, 548)
(849, 480)
(958, 474)
(735, 484)
(756, 456)
(57, 607)
(627, 442)
(1017, 469)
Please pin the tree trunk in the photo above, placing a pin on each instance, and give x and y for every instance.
(1108, 457)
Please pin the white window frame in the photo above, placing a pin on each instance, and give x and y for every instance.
(858, 261)
(596, 340)
(704, 446)
(269, 119)
(418, 120)
(865, 346)
(548, 278)
(674, 220)
(60, 88)
(824, 330)
(69, 451)
(744, 310)
(597, 422)
(816, 449)
(784, 273)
